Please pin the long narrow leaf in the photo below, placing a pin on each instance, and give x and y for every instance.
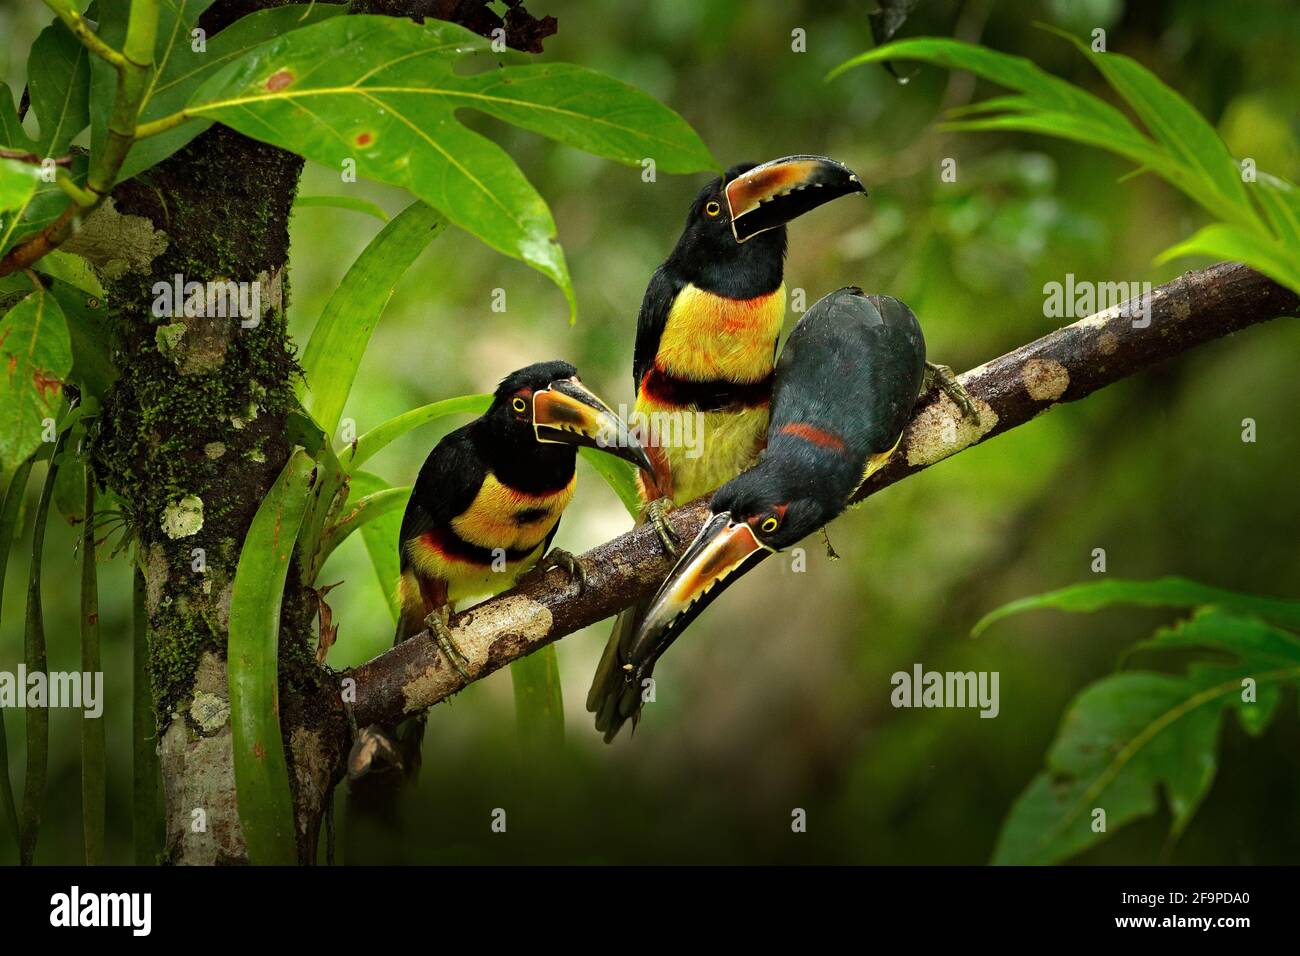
(381, 435)
(93, 788)
(380, 537)
(261, 774)
(1162, 592)
(618, 474)
(359, 512)
(1223, 241)
(539, 698)
(9, 513)
(145, 773)
(350, 203)
(337, 343)
(34, 653)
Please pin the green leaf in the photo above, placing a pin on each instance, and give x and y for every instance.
(72, 269)
(1127, 737)
(12, 134)
(90, 337)
(380, 537)
(388, 102)
(1162, 592)
(1281, 204)
(1175, 123)
(93, 768)
(182, 69)
(373, 441)
(339, 340)
(359, 512)
(9, 519)
(17, 183)
(620, 475)
(35, 358)
(342, 202)
(36, 658)
(1276, 259)
(1053, 107)
(146, 777)
(44, 205)
(539, 698)
(261, 775)
(58, 78)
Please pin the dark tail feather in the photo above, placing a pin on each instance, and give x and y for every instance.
(612, 698)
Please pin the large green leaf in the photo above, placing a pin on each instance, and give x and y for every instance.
(382, 92)
(1281, 204)
(35, 358)
(58, 79)
(1130, 736)
(182, 69)
(1278, 260)
(261, 774)
(339, 340)
(90, 337)
(361, 511)
(1161, 592)
(17, 183)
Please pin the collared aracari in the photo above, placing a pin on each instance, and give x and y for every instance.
(483, 511)
(707, 335)
(845, 387)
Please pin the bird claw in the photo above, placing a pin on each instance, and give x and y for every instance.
(559, 558)
(946, 380)
(437, 624)
(656, 512)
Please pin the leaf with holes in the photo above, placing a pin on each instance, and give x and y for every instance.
(35, 359)
(383, 93)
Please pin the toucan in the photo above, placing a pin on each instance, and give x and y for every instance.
(483, 512)
(846, 384)
(707, 334)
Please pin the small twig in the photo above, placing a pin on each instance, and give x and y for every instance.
(20, 156)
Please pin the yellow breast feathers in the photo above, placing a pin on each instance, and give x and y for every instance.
(501, 517)
(710, 336)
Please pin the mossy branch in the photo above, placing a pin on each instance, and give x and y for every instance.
(1063, 366)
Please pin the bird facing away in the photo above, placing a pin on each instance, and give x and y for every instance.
(484, 509)
(845, 387)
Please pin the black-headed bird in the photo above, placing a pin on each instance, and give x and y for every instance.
(483, 512)
(707, 334)
(846, 384)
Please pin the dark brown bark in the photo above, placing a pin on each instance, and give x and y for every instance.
(1063, 366)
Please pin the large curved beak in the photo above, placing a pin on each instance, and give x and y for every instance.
(776, 192)
(719, 555)
(568, 413)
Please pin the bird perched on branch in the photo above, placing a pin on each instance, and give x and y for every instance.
(707, 335)
(483, 511)
(845, 387)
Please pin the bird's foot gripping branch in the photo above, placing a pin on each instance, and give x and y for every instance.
(1063, 366)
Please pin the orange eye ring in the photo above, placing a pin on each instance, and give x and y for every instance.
(712, 208)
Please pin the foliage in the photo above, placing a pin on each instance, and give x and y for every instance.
(1128, 736)
(1182, 147)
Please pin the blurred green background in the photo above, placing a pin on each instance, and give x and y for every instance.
(778, 698)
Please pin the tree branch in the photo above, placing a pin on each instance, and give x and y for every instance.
(1063, 366)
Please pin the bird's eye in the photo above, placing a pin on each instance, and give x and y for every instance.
(712, 207)
(519, 405)
(769, 525)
